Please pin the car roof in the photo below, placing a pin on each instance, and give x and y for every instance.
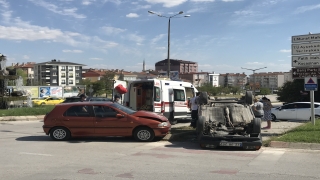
(86, 103)
(302, 103)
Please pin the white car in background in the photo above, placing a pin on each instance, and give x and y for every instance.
(295, 111)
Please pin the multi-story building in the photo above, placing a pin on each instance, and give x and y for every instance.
(271, 80)
(233, 79)
(26, 67)
(57, 73)
(214, 79)
(181, 66)
(196, 78)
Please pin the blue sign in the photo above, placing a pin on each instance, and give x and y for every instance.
(311, 87)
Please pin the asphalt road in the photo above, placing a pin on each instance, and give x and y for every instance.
(27, 153)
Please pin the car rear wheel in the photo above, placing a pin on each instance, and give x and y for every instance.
(143, 134)
(60, 134)
(256, 127)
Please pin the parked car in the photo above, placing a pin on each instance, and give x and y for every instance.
(47, 101)
(295, 111)
(72, 99)
(103, 119)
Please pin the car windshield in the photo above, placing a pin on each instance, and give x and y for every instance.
(123, 108)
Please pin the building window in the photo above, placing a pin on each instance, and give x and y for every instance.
(71, 81)
(54, 74)
(71, 75)
(54, 67)
(63, 75)
(77, 74)
(63, 68)
(77, 81)
(63, 81)
(54, 80)
(77, 68)
(70, 68)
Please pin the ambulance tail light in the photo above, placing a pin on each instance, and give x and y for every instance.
(162, 106)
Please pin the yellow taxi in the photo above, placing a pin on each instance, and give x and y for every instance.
(47, 101)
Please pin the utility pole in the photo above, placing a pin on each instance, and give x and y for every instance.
(254, 78)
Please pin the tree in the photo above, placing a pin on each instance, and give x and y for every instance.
(291, 91)
(108, 81)
(264, 91)
(98, 88)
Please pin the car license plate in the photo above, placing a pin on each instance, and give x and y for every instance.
(233, 144)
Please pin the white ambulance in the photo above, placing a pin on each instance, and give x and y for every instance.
(161, 96)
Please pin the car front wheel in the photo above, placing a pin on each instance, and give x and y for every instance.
(273, 117)
(143, 134)
(60, 134)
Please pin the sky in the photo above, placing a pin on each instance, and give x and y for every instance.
(222, 36)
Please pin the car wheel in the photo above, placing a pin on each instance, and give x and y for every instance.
(143, 134)
(256, 127)
(60, 134)
(273, 117)
(249, 97)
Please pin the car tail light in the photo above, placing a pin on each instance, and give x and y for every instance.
(162, 107)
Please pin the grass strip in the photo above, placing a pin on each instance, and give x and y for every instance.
(26, 111)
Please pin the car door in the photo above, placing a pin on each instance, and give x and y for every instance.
(50, 101)
(287, 112)
(179, 101)
(111, 122)
(79, 119)
(303, 111)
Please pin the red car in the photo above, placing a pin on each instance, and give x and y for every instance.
(103, 119)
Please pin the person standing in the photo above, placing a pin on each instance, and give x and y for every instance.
(83, 97)
(267, 112)
(194, 110)
(257, 108)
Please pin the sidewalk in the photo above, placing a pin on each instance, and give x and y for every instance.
(22, 118)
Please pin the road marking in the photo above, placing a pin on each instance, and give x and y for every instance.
(35, 154)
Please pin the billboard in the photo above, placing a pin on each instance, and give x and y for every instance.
(69, 91)
(54, 91)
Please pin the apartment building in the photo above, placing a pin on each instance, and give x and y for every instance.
(181, 66)
(271, 80)
(196, 78)
(233, 79)
(58, 73)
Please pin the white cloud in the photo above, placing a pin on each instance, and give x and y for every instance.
(72, 51)
(58, 10)
(135, 38)
(132, 15)
(167, 3)
(244, 13)
(87, 2)
(26, 57)
(202, 0)
(112, 30)
(285, 50)
(303, 9)
(157, 38)
(96, 59)
(231, 0)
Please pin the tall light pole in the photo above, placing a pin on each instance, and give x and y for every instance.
(254, 78)
(169, 17)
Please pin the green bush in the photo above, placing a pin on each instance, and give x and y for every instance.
(26, 111)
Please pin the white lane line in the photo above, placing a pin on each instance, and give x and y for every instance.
(35, 154)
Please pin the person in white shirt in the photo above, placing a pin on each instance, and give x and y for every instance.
(194, 110)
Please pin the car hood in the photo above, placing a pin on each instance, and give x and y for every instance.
(150, 115)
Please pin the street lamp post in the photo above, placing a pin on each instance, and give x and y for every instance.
(254, 78)
(169, 17)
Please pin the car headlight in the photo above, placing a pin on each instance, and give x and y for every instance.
(163, 124)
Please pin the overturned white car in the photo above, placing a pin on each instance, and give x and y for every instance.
(228, 123)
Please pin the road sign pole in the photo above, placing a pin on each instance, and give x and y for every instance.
(312, 107)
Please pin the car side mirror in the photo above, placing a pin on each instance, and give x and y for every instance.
(279, 108)
(119, 116)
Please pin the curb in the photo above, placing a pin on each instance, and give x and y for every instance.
(293, 145)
